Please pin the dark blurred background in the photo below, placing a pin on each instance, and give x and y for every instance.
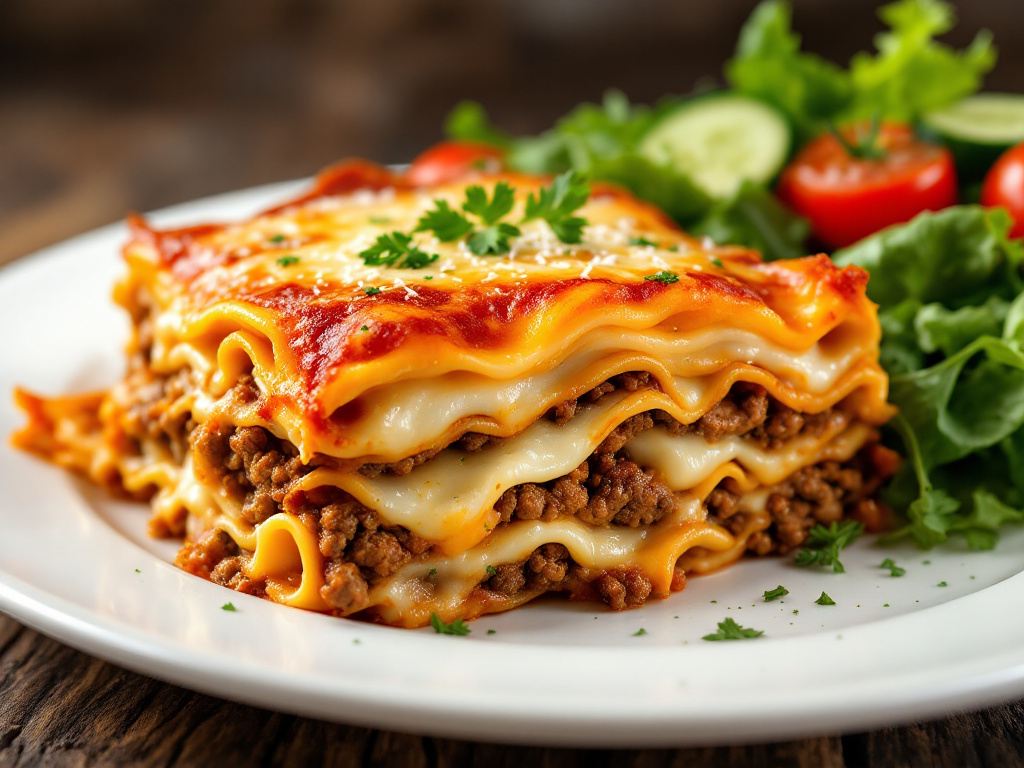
(111, 105)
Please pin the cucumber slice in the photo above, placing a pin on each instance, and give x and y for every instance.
(720, 141)
(977, 130)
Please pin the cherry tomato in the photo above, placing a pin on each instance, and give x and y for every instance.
(846, 197)
(451, 160)
(1004, 187)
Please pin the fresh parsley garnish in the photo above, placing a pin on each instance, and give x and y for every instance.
(640, 632)
(446, 224)
(642, 241)
(825, 600)
(365, 328)
(492, 571)
(228, 607)
(730, 630)
(823, 544)
(432, 574)
(556, 204)
(287, 261)
(457, 627)
(493, 238)
(664, 276)
(490, 211)
(942, 584)
(717, 262)
(371, 290)
(775, 594)
(492, 631)
(276, 239)
(396, 250)
(894, 570)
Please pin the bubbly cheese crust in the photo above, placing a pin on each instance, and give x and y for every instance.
(351, 364)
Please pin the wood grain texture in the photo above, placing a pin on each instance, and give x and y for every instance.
(64, 708)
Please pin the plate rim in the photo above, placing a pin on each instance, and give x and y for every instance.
(468, 716)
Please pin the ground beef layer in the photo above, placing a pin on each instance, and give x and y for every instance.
(259, 471)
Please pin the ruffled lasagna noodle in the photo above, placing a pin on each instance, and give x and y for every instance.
(459, 439)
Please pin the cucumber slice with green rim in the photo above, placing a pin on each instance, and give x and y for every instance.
(977, 130)
(720, 141)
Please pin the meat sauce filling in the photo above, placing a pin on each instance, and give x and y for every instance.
(259, 470)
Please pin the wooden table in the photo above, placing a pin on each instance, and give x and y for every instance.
(125, 108)
(62, 707)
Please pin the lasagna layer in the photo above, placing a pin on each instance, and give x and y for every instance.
(597, 418)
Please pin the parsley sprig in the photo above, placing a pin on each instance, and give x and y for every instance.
(894, 570)
(488, 235)
(493, 238)
(730, 630)
(442, 627)
(396, 250)
(823, 544)
(775, 594)
(664, 277)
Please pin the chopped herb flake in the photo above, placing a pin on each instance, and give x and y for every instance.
(371, 290)
(138, 571)
(642, 241)
(492, 631)
(640, 632)
(775, 594)
(428, 277)
(730, 630)
(432, 574)
(228, 607)
(380, 220)
(823, 544)
(942, 584)
(664, 276)
(717, 262)
(894, 570)
(825, 600)
(365, 328)
(457, 627)
(492, 571)
(276, 239)
(287, 261)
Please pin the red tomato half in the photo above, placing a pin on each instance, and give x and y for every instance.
(1004, 186)
(451, 160)
(846, 198)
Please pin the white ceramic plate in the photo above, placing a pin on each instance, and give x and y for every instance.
(80, 568)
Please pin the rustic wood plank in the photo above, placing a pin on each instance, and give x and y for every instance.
(62, 707)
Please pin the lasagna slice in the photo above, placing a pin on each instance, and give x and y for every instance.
(457, 434)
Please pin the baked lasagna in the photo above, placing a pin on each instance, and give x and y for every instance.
(338, 428)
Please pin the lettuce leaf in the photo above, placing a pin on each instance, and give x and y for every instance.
(910, 74)
(770, 66)
(952, 312)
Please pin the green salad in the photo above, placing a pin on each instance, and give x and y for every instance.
(914, 147)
